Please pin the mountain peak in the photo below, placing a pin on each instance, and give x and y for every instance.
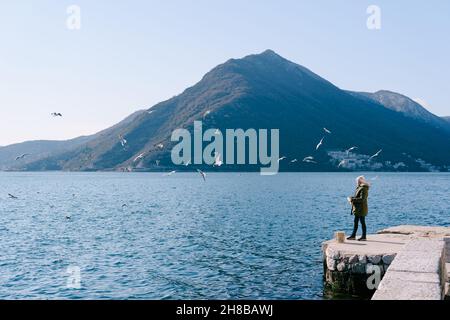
(267, 67)
(270, 53)
(267, 55)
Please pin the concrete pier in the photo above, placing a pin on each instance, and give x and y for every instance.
(403, 262)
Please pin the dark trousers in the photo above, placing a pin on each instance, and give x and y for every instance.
(363, 225)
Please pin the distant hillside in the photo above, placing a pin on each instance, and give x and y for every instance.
(36, 149)
(405, 105)
(46, 150)
(268, 91)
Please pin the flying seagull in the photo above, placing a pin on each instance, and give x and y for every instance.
(57, 114)
(308, 158)
(309, 161)
(150, 111)
(170, 173)
(187, 163)
(320, 143)
(160, 146)
(202, 174)
(12, 196)
(139, 157)
(22, 156)
(326, 130)
(350, 149)
(217, 161)
(157, 162)
(342, 163)
(295, 160)
(123, 141)
(376, 154)
(217, 132)
(281, 159)
(206, 113)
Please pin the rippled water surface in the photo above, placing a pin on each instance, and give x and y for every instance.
(238, 236)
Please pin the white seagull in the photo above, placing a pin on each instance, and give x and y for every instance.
(217, 132)
(217, 161)
(320, 143)
(123, 141)
(170, 173)
(326, 130)
(202, 174)
(139, 157)
(157, 162)
(206, 113)
(160, 146)
(376, 154)
(342, 163)
(308, 158)
(350, 149)
(295, 160)
(281, 159)
(187, 163)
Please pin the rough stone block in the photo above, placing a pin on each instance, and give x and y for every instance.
(447, 267)
(331, 264)
(353, 259)
(341, 266)
(388, 258)
(359, 268)
(374, 259)
(331, 253)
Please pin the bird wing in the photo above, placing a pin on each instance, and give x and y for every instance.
(202, 174)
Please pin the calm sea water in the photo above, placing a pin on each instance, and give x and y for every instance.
(237, 236)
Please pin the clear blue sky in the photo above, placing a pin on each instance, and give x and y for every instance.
(132, 54)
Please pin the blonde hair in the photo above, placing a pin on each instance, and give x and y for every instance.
(361, 180)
